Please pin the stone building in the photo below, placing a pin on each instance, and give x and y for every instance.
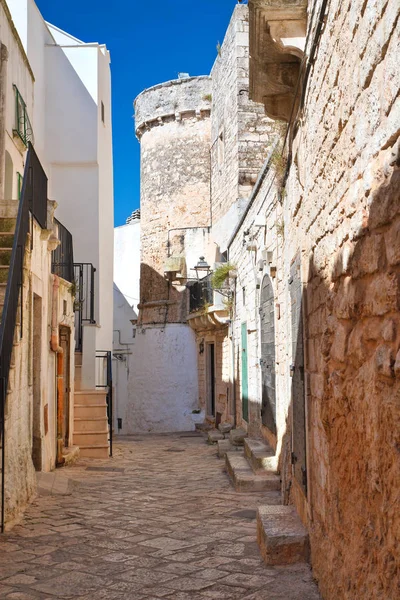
(173, 125)
(45, 389)
(299, 347)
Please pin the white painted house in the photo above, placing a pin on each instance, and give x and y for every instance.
(55, 186)
(73, 138)
(126, 300)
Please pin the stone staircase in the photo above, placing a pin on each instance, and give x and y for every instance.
(281, 536)
(90, 418)
(255, 469)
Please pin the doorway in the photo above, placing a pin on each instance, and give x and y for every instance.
(299, 450)
(245, 375)
(210, 374)
(267, 322)
(65, 336)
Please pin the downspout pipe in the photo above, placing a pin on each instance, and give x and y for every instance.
(56, 348)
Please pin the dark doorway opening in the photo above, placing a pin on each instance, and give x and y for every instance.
(211, 379)
(267, 322)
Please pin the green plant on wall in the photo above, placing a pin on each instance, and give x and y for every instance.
(280, 228)
(221, 274)
(207, 97)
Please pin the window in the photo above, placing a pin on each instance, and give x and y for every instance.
(23, 127)
(19, 184)
(244, 296)
(102, 112)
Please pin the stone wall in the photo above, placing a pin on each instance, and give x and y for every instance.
(340, 218)
(343, 211)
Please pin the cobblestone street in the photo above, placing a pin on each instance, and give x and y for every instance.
(159, 520)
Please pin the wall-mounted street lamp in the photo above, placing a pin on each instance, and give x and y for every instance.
(202, 266)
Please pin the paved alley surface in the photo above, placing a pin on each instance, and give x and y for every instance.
(159, 520)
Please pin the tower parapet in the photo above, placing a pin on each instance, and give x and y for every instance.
(174, 100)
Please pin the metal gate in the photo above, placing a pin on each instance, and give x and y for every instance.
(267, 318)
(297, 373)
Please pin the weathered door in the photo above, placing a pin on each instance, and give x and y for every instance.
(211, 379)
(297, 373)
(245, 376)
(65, 345)
(267, 319)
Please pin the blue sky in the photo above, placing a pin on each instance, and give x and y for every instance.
(150, 42)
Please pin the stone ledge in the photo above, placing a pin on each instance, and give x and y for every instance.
(282, 537)
(260, 455)
(245, 480)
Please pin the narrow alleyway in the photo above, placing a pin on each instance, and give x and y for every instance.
(159, 520)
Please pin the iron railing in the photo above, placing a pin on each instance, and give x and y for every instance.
(201, 293)
(62, 262)
(104, 381)
(23, 127)
(34, 199)
(84, 299)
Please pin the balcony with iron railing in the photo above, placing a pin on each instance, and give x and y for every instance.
(23, 129)
(62, 262)
(208, 307)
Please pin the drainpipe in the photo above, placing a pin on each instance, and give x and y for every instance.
(55, 347)
(3, 95)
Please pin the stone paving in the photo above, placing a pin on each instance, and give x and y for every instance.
(159, 520)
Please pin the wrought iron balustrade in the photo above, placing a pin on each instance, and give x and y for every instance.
(201, 294)
(62, 263)
(104, 381)
(84, 274)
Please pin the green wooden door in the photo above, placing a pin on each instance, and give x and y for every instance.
(245, 377)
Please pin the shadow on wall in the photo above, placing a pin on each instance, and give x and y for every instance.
(352, 329)
(161, 301)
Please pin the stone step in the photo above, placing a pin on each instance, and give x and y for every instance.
(91, 438)
(281, 535)
(94, 451)
(225, 428)
(7, 224)
(260, 455)
(245, 480)
(5, 256)
(214, 435)
(224, 446)
(89, 397)
(237, 436)
(4, 273)
(89, 424)
(91, 411)
(6, 239)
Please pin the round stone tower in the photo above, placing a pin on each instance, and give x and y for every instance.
(172, 122)
(173, 125)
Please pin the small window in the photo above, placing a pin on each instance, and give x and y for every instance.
(102, 112)
(23, 127)
(244, 296)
